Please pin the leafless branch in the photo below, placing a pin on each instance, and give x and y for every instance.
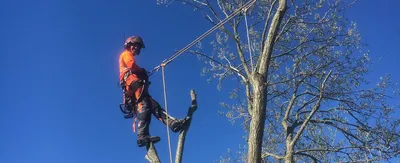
(316, 107)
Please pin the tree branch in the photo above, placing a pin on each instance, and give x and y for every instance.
(182, 135)
(315, 160)
(234, 69)
(267, 24)
(267, 154)
(240, 52)
(289, 107)
(263, 61)
(316, 107)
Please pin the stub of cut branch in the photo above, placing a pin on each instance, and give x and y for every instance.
(182, 135)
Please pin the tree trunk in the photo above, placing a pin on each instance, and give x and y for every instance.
(152, 155)
(289, 152)
(257, 119)
(258, 80)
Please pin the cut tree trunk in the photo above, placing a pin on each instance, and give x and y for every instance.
(152, 155)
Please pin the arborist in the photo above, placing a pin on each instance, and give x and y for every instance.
(134, 82)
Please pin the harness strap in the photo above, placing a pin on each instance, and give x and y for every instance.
(134, 123)
(134, 87)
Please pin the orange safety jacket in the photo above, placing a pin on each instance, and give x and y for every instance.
(127, 64)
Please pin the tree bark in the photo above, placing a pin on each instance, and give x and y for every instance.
(182, 135)
(152, 155)
(258, 80)
(289, 153)
(257, 119)
(265, 57)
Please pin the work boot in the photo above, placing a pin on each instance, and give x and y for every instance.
(146, 139)
(178, 125)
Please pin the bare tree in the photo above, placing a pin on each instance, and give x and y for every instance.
(301, 68)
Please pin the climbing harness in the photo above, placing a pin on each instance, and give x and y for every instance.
(130, 103)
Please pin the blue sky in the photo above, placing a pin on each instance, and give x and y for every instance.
(59, 73)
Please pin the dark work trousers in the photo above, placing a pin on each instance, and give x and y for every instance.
(146, 107)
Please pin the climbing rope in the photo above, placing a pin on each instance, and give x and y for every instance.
(248, 38)
(166, 110)
(187, 47)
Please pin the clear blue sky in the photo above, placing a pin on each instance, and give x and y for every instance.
(59, 73)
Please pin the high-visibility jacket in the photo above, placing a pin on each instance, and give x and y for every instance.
(127, 64)
(127, 70)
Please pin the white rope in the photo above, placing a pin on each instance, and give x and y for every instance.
(167, 115)
(215, 27)
(248, 38)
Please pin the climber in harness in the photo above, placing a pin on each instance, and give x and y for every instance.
(134, 82)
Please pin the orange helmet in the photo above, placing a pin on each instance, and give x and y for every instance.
(133, 40)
